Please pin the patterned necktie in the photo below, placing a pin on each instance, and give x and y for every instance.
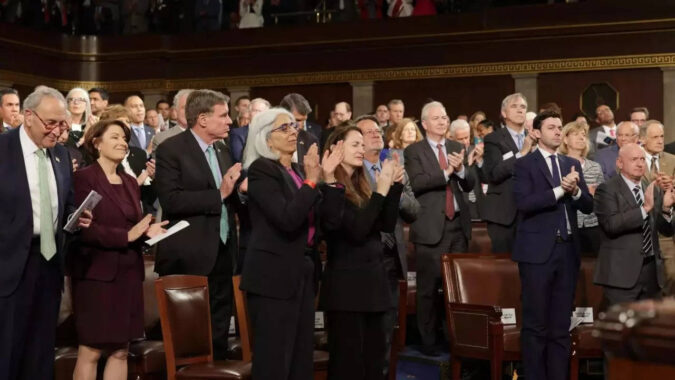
(520, 141)
(562, 220)
(654, 170)
(47, 239)
(449, 200)
(213, 164)
(646, 227)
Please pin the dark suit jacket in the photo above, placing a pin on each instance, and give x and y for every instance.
(305, 140)
(187, 191)
(99, 246)
(149, 133)
(315, 129)
(670, 148)
(607, 159)
(238, 138)
(137, 159)
(355, 278)
(16, 215)
(595, 147)
(620, 258)
(539, 211)
(499, 203)
(428, 183)
(274, 261)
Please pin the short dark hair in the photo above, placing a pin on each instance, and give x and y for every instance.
(487, 123)
(160, 101)
(98, 129)
(551, 106)
(239, 99)
(296, 101)
(367, 117)
(536, 123)
(202, 101)
(104, 94)
(640, 109)
(7, 91)
(581, 114)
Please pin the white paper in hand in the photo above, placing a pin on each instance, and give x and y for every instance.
(89, 203)
(175, 228)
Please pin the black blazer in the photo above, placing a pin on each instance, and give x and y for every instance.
(16, 210)
(500, 206)
(274, 260)
(428, 183)
(355, 278)
(187, 191)
(137, 159)
(305, 140)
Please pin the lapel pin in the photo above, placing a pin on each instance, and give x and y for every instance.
(57, 159)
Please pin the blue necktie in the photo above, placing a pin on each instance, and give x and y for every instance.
(562, 221)
(213, 164)
(140, 133)
(520, 141)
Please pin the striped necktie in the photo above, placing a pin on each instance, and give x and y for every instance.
(646, 227)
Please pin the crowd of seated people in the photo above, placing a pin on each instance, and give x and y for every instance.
(110, 17)
(262, 194)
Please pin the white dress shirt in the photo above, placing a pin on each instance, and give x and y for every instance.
(30, 159)
(558, 191)
(648, 158)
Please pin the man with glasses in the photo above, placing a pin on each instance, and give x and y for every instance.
(626, 133)
(299, 107)
(37, 204)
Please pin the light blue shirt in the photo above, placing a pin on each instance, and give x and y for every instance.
(459, 174)
(514, 136)
(369, 169)
(139, 131)
(203, 146)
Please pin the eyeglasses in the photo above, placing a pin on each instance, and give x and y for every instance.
(373, 132)
(51, 124)
(286, 127)
(77, 100)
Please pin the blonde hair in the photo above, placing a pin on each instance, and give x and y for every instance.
(569, 128)
(398, 132)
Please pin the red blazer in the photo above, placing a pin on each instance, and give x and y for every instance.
(95, 255)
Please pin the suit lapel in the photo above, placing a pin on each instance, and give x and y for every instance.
(106, 188)
(507, 140)
(16, 155)
(223, 156)
(61, 189)
(543, 166)
(200, 158)
(430, 156)
(624, 191)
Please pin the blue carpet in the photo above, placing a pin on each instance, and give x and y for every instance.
(413, 365)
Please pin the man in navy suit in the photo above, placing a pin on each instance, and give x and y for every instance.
(626, 132)
(549, 189)
(141, 134)
(34, 210)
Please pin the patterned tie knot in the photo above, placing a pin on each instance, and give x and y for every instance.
(636, 189)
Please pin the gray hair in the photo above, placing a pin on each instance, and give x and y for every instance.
(297, 102)
(202, 101)
(176, 98)
(394, 102)
(33, 100)
(430, 105)
(458, 124)
(258, 134)
(646, 125)
(259, 100)
(512, 98)
(87, 108)
(634, 126)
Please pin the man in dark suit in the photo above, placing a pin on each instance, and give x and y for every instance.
(395, 245)
(195, 182)
(631, 213)
(141, 134)
(138, 162)
(300, 108)
(460, 131)
(502, 148)
(627, 132)
(10, 109)
(549, 189)
(670, 148)
(239, 136)
(36, 207)
(606, 131)
(438, 177)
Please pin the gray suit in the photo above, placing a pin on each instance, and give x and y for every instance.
(594, 147)
(162, 136)
(621, 265)
(607, 160)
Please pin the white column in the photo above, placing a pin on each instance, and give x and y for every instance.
(669, 103)
(236, 93)
(362, 98)
(526, 84)
(151, 97)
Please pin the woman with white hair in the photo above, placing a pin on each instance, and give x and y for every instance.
(281, 266)
(79, 107)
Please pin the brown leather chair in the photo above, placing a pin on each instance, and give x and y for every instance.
(398, 339)
(476, 287)
(584, 344)
(320, 357)
(186, 326)
(480, 241)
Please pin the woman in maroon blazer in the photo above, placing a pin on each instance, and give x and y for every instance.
(106, 265)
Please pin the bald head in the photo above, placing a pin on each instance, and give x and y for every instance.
(627, 132)
(631, 162)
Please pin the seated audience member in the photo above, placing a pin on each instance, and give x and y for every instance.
(355, 290)
(406, 133)
(639, 115)
(180, 125)
(98, 98)
(438, 177)
(382, 115)
(81, 117)
(631, 213)
(239, 136)
(659, 163)
(627, 132)
(575, 144)
(607, 130)
(282, 264)
(10, 109)
(484, 128)
(107, 268)
(141, 134)
(476, 118)
(250, 14)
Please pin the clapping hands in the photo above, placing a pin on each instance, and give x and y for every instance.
(570, 182)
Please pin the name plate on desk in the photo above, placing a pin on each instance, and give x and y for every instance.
(318, 320)
(509, 316)
(411, 278)
(233, 327)
(584, 313)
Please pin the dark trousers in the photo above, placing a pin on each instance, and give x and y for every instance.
(391, 316)
(547, 298)
(501, 236)
(28, 320)
(590, 241)
(220, 299)
(428, 262)
(283, 332)
(356, 343)
(647, 286)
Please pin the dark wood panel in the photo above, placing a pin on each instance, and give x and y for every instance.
(639, 87)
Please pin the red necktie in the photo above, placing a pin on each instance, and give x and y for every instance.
(449, 204)
(398, 5)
